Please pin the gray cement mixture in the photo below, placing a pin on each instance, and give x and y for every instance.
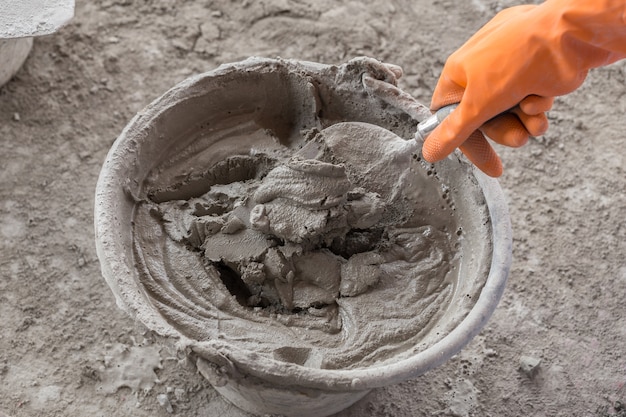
(62, 332)
(321, 255)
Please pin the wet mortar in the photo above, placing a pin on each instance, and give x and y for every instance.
(315, 254)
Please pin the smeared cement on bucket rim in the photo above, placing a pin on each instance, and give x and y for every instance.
(114, 205)
(27, 18)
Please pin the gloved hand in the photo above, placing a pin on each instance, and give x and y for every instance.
(506, 76)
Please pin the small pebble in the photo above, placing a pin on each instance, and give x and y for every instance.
(529, 365)
(16, 117)
(233, 225)
(165, 403)
(180, 394)
(490, 353)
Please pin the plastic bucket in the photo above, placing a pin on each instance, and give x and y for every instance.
(258, 383)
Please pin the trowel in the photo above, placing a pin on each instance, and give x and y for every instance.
(429, 124)
(390, 93)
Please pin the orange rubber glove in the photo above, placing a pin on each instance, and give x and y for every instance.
(506, 76)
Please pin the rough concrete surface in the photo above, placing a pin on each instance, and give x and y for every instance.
(67, 350)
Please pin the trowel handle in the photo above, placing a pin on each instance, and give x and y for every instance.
(426, 126)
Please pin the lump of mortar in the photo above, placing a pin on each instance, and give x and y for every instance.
(365, 209)
(329, 248)
(307, 182)
(233, 225)
(319, 277)
(301, 201)
(372, 156)
(360, 272)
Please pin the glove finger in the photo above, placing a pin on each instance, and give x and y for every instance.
(536, 125)
(478, 150)
(506, 129)
(450, 134)
(534, 105)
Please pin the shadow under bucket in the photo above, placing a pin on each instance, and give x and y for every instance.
(274, 219)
